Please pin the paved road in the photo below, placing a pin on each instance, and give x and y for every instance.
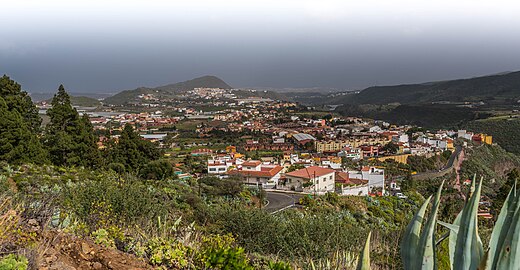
(458, 148)
(279, 201)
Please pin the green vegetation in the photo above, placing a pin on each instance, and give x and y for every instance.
(167, 90)
(132, 151)
(84, 101)
(69, 138)
(504, 132)
(491, 162)
(466, 251)
(18, 100)
(425, 115)
(17, 143)
(19, 125)
(437, 104)
(126, 197)
(494, 87)
(13, 262)
(424, 164)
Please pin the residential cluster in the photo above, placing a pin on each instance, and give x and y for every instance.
(278, 144)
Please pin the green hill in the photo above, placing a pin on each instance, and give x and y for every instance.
(167, 90)
(205, 81)
(444, 104)
(84, 101)
(81, 101)
(503, 88)
(504, 131)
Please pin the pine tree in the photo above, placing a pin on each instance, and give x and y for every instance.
(132, 151)
(18, 144)
(69, 137)
(19, 100)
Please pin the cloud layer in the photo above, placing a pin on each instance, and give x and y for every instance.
(113, 45)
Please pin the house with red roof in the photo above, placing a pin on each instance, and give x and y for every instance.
(375, 177)
(313, 179)
(345, 185)
(254, 172)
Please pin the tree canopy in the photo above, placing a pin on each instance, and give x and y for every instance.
(18, 144)
(132, 151)
(18, 100)
(70, 138)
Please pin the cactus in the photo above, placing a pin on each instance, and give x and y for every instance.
(465, 246)
(364, 259)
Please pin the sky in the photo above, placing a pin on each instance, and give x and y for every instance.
(105, 46)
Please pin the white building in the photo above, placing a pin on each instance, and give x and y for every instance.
(374, 176)
(254, 172)
(312, 179)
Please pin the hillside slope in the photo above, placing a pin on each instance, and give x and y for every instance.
(504, 131)
(505, 87)
(170, 89)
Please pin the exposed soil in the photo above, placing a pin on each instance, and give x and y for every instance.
(66, 252)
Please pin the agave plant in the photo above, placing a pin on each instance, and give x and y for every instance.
(364, 259)
(340, 260)
(465, 246)
(418, 246)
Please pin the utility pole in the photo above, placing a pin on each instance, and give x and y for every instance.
(315, 183)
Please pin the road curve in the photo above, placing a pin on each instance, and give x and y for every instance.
(278, 201)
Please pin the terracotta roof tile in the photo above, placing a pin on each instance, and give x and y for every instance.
(310, 172)
(252, 163)
(265, 172)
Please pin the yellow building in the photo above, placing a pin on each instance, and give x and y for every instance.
(329, 146)
(487, 139)
(231, 149)
(397, 158)
(449, 145)
(334, 146)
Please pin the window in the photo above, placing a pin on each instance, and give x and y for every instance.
(212, 169)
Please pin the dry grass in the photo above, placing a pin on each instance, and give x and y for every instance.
(9, 219)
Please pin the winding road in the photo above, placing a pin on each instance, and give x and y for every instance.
(278, 201)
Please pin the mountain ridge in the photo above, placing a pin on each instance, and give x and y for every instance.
(208, 81)
(503, 85)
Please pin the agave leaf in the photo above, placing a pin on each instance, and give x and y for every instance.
(426, 250)
(472, 187)
(453, 239)
(508, 258)
(502, 225)
(468, 248)
(451, 227)
(410, 243)
(484, 262)
(364, 259)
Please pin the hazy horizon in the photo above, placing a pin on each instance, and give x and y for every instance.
(109, 46)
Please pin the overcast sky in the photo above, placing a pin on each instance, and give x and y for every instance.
(111, 45)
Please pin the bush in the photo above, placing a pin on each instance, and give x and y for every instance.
(168, 252)
(14, 262)
(157, 170)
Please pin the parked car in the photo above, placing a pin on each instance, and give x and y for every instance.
(401, 195)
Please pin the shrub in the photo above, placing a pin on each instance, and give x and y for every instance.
(168, 252)
(157, 170)
(14, 262)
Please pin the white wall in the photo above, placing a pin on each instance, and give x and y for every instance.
(356, 190)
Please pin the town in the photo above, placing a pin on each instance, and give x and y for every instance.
(278, 145)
